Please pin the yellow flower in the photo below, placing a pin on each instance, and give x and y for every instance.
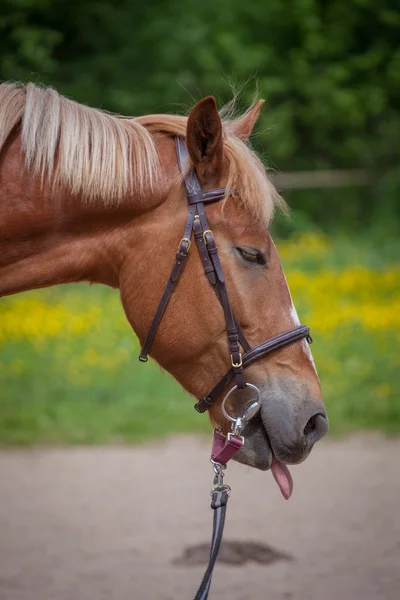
(304, 245)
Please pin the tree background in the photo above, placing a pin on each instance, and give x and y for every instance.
(328, 70)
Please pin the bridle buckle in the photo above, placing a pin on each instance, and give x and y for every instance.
(188, 242)
(209, 232)
(239, 364)
(236, 429)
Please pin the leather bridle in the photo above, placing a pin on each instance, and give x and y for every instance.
(224, 448)
(197, 224)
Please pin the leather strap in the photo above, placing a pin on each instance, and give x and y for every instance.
(242, 338)
(209, 256)
(211, 196)
(225, 448)
(203, 252)
(206, 244)
(219, 501)
(180, 260)
(278, 341)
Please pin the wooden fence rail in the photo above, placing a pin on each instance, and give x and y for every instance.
(321, 179)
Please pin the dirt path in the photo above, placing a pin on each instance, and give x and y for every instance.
(106, 524)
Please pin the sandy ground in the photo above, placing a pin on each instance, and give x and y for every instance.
(107, 523)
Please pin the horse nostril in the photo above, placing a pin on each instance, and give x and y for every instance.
(311, 426)
(315, 428)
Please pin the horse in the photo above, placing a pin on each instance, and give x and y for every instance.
(86, 195)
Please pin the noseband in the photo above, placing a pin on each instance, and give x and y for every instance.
(224, 448)
(197, 224)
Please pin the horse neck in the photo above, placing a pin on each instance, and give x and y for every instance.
(48, 237)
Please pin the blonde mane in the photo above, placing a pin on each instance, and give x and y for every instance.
(104, 157)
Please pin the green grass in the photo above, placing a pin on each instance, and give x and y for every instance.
(51, 394)
(62, 383)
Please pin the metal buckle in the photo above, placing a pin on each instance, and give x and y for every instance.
(219, 485)
(233, 434)
(189, 242)
(204, 235)
(239, 364)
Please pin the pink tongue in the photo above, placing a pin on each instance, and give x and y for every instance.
(282, 477)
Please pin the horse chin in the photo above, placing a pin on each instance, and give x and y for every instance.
(256, 451)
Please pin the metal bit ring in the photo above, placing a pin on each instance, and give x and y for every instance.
(249, 412)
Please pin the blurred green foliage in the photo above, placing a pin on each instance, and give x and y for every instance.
(329, 71)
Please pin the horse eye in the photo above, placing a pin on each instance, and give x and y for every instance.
(252, 255)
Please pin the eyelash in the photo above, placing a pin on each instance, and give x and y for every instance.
(258, 258)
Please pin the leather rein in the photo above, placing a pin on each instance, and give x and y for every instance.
(224, 447)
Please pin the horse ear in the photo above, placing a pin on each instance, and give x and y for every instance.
(204, 136)
(243, 126)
